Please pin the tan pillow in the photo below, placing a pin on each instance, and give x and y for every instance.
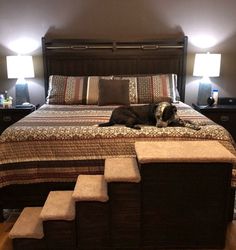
(113, 92)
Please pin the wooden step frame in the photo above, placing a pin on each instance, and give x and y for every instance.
(186, 189)
(58, 215)
(123, 180)
(92, 212)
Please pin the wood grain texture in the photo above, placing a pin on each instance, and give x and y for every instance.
(79, 57)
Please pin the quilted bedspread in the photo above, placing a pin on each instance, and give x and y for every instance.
(58, 142)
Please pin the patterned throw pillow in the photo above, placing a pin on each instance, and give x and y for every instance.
(73, 89)
(151, 89)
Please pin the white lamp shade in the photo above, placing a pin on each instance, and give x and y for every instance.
(207, 65)
(20, 67)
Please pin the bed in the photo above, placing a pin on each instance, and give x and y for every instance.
(49, 148)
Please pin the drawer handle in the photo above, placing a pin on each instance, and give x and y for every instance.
(224, 118)
(7, 118)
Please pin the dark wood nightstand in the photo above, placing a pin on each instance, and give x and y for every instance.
(224, 115)
(12, 115)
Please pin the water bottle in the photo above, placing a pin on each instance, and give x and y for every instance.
(215, 95)
(1, 100)
(5, 95)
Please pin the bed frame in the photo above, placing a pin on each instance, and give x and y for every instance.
(76, 57)
(99, 57)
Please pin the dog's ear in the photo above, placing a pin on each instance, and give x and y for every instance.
(174, 108)
(153, 106)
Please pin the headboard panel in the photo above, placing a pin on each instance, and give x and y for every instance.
(76, 57)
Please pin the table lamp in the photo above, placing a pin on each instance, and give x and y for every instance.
(20, 67)
(206, 65)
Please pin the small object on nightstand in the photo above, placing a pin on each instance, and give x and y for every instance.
(215, 95)
(210, 101)
(7, 103)
(227, 101)
(1, 100)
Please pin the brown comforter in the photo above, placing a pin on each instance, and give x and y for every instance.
(58, 142)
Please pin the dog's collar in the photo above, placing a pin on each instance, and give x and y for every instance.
(160, 109)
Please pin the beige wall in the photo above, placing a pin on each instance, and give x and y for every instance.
(121, 19)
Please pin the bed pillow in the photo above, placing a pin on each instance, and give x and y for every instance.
(113, 92)
(73, 89)
(152, 89)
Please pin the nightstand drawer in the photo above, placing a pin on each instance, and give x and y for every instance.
(6, 118)
(221, 118)
(225, 118)
(228, 121)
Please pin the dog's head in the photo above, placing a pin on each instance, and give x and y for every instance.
(165, 114)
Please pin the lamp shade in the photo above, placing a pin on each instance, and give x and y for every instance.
(20, 67)
(207, 65)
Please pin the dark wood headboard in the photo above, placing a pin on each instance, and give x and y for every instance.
(77, 57)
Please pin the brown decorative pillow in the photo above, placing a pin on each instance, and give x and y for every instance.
(113, 92)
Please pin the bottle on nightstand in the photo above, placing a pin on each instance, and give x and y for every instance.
(215, 95)
(1, 100)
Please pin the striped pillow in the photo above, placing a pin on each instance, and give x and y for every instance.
(73, 89)
(151, 89)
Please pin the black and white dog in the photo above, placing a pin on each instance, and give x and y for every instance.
(161, 115)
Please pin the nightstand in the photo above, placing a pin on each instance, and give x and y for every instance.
(224, 115)
(12, 115)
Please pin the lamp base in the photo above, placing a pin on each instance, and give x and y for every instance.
(204, 92)
(22, 93)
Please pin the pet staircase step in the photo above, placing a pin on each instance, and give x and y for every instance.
(189, 176)
(183, 151)
(90, 188)
(92, 211)
(58, 216)
(121, 170)
(27, 232)
(123, 178)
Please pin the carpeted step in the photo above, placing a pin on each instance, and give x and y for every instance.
(92, 212)
(123, 178)
(183, 151)
(121, 170)
(27, 232)
(90, 188)
(58, 216)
